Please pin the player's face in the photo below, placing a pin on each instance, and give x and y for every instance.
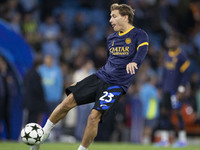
(117, 21)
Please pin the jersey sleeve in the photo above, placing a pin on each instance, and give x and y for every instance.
(185, 63)
(142, 47)
(184, 69)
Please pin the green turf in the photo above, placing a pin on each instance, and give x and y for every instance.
(94, 146)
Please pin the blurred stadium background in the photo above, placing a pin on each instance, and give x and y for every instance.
(74, 34)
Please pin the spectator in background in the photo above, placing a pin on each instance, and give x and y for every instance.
(29, 29)
(193, 90)
(136, 119)
(100, 56)
(50, 32)
(117, 123)
(150, 103)
(174, 80)
(50, 26)
(78, 26)
(34, 102)
(51, 47)
(81, 56)
(91, 36)
(62, 21)
(83, 110)
(4, 96)
(16, 23)
(29, 25)
(13, 7)
(52, 82)
(31, 6)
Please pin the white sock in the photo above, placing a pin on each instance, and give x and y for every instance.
(164, 135)
(182, 136)
(48, 126)
(82, 148)
(146, 140)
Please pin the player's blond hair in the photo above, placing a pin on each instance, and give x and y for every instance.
(124, 10)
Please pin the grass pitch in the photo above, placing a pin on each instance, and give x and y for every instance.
(94, 146)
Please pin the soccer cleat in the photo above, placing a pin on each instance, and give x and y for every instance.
(162, 144)
(35, 147)
(180, 144)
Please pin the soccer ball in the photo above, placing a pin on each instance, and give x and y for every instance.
(32, 133)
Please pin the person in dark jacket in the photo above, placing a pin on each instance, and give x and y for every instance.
(34, 103)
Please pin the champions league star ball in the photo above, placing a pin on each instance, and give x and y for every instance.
(32, 133)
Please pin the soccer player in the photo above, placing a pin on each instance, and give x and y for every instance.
(127, 48)
(174, 80)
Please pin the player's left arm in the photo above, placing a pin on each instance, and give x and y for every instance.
(184, 71)
(142, 50)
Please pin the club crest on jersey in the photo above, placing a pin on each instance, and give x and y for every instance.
(128, 40)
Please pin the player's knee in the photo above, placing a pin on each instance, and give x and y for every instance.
(94, 117)
(68, 103)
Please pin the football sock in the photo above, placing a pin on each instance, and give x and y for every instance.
(48, 126)
(182, 136)
(82, 148)
(164, 135)
(146, 140)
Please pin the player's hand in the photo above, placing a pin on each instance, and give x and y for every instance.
(130, 68)
(180, 93)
